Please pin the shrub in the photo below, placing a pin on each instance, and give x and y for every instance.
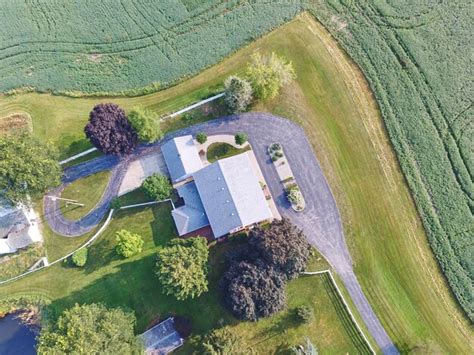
(304, 314)
(201, 137)
(268, 75)
(79, 258)
(238, 94)
(240, 138)
(181, 267)
(110, 131)
(294, 195)
(146, 123)
(158, 187)
(128, 244)
(221, 341)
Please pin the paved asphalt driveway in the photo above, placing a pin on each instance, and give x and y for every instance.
(320, 220)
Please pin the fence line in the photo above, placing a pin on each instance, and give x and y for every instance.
(145, 204)
(333, 281)
(174, 114)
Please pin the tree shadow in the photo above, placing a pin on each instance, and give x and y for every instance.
(101, 253)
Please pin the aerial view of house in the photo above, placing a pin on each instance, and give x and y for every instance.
(236, 177)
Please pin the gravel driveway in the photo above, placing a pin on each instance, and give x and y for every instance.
(320, 220)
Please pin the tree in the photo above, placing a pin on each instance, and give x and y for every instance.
(268, 75)
(110, 131)
(304, 314)
(91, 329)
(27, 167)
(128, 244)
(79, 258)
(282, 246)
(201, 137)
(307, 349)
(181, 267)
(238, 94)
(146, 123)
(240, 138)
(221, 341)
(253, 290)
(158, 187)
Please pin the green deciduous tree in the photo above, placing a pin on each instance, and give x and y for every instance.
(128, 243)
(240, 138)
(27, 167)
(201, 137)
(182, 267)
(238, 94)
(157, 186)
(79, 258)
(91, 329)
(268, 74)
(146, 123)
(221, 341)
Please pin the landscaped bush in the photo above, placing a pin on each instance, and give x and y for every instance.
(128, 244)
(158, 187)
(79, 258)
(146, 123)
(201, 137)
(110, 131)
(240, 138)
(304, 314)
(222, 341)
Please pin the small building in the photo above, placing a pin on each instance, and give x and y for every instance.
(15, 228)
(226, 195)
(162, 338)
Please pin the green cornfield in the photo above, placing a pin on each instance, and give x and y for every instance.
(416, 57)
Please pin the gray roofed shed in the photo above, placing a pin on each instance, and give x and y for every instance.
(181, 157)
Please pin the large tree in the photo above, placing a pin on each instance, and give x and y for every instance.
(91, 329)
(27, 167)
(181, 267)
(157, 186)
(220, 341)
(128, 243)
(146, 123)
(110, 131)
(238, 94)
(282, 246)
(268, 74)
(253, 290)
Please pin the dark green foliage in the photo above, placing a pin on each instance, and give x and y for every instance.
(238, 94)
(146, 123)
(27, 167)
(181, 267)
(147, 46)
(91, 329)
(201, 137)
(220, 341)
(128, 244)
(79, 258)
(158, 187)
(253, 290)
(240, 138)
(110, 131)
(304, 314)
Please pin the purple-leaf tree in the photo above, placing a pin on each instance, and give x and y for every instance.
(110, 131)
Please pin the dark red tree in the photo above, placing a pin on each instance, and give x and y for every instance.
(110, 131)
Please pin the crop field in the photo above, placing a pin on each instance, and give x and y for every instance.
(416, 59)
(123, 46)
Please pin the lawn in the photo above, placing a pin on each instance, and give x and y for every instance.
(218, 151)
(332, 101)
(87, 191)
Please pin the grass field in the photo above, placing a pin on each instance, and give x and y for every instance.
(87, 191)
(330, 98)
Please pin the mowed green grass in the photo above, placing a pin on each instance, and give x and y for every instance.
(330, 98)
(218, 151)
(87, 191)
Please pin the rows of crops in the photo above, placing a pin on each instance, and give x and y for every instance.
(123, 45)
(417, 61)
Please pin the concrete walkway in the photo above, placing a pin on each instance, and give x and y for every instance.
(320, 220)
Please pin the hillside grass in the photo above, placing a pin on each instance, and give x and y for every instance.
(330, 98)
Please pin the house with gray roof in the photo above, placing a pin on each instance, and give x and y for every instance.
(14, 228)
(226, 195)
(181, 157)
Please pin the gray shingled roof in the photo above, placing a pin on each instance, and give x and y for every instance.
(181, 157)
(231, 194)
(162, 338)
(11, 218)
(191, 216)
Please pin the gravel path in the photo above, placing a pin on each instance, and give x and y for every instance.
(320, 220)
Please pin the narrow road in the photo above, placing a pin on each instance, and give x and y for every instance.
(320, 220)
